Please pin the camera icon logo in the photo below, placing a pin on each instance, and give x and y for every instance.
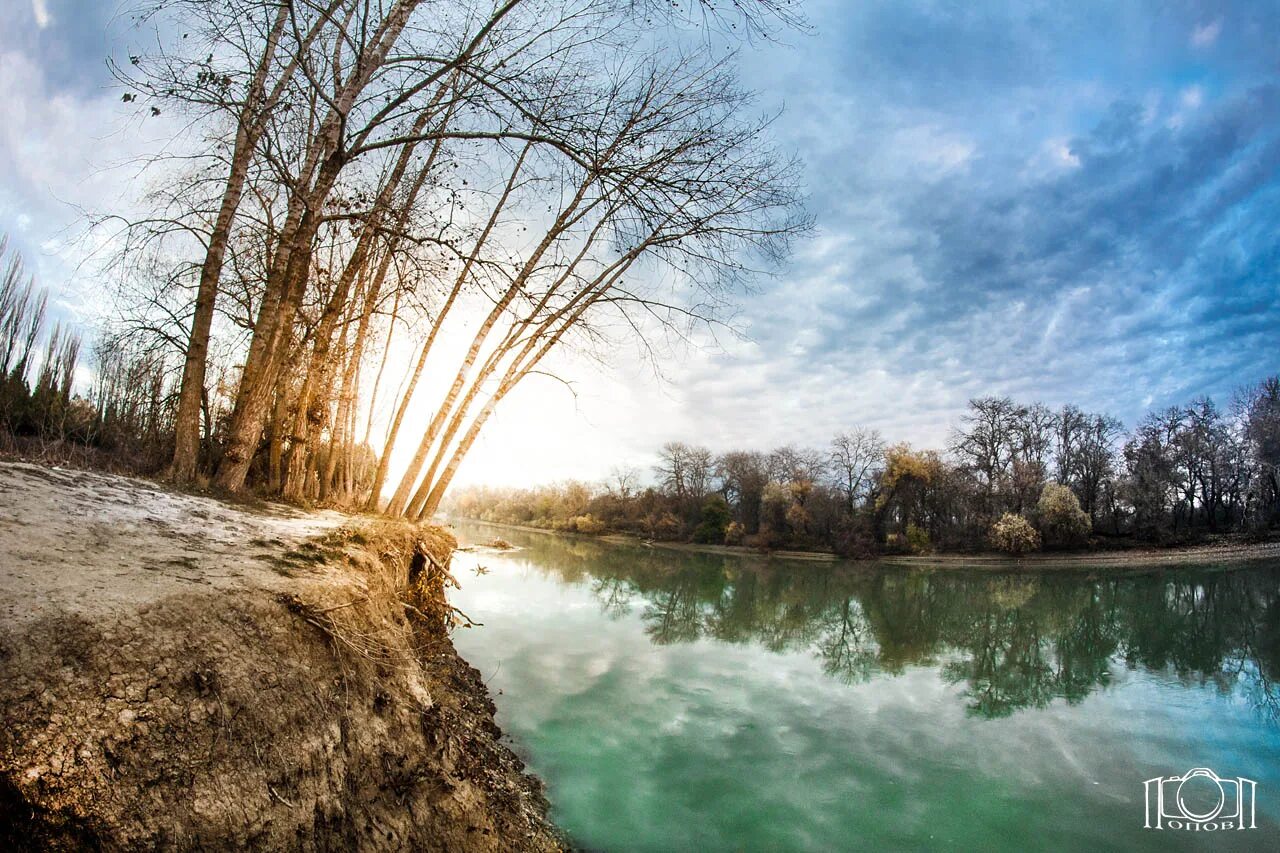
(1200, 801)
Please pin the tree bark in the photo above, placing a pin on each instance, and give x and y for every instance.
(382, 366)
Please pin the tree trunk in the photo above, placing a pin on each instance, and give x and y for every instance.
(428, 495)
(275, 453)
(348, 390)
(186, 450)
(382, 366)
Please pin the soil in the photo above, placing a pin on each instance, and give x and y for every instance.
(179, 673)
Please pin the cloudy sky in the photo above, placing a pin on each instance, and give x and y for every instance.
(1065, 202)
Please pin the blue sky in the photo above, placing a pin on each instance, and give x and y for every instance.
(1065, 202)
(1058, 201)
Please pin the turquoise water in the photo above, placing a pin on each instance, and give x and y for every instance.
(678, 701)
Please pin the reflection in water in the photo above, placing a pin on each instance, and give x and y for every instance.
(1011, 641)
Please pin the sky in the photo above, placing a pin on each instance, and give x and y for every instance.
(1067, 202)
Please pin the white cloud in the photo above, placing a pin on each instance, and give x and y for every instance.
(1061, 154)
(54, 145)
(40, 9)
(1206, 34)
(1189, 100)
(927, 149)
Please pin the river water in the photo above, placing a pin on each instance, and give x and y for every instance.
(679, 701)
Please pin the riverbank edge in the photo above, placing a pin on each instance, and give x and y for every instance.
(153, 728)
(1119, 559)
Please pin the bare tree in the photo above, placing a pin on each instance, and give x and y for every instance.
(274, 54)
(666, 170)
(854, 454)
(685, 472)
(1085, 454)
(623, 482)
(313, 202)
(743, 476)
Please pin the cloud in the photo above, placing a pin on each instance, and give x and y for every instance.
(40, 10)
(1206, 34)
(1108, 238)
(64, 133)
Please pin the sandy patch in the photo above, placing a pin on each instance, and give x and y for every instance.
(91, 544)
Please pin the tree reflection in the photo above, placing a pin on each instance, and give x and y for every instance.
(1010, 641)
(847, 647)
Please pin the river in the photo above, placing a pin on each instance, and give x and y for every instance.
(682, 701)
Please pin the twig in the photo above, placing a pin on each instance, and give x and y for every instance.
(276, 794)
(414, 609)
(348, 604)
(471, 623)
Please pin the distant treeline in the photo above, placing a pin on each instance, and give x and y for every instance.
(1014, 477)
(122, 420)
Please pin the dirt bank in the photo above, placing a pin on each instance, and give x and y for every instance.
(1135, 559)
(178, 673)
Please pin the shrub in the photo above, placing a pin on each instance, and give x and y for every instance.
(734, 533)
(798, 519)
(715, 520)
(587, 524)
(1063, 523)
(1013, 534)
(918, 540)
(855, 539)
(662, 526)
(767, 539)
(894, 543)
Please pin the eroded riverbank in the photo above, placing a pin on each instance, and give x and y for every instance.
(181, 673)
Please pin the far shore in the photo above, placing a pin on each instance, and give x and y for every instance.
(1123, 559)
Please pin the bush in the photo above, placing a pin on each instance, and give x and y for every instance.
(855, 538)
(798, 519)
(918, 540)
(894, 544)
(662, 526)
(767, 539)
(734, 533)
(715, 520)
(1063, 524)
(774, 503)
(587, 524)
(1013, 534)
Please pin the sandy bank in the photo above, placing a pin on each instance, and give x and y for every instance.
(1137, 559)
